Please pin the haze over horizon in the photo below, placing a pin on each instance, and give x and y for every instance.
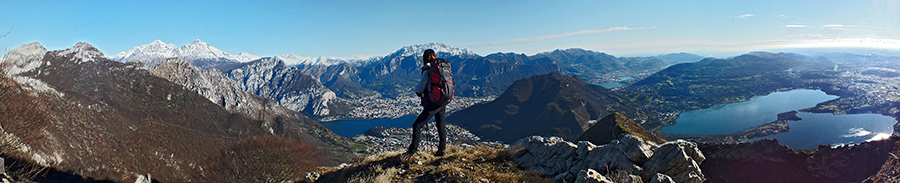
(351, 28)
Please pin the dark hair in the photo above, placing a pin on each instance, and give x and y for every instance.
(428, 56)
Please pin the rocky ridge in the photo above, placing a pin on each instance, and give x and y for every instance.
(216, 87)
(291, 88)
(630, 156)
(106, 120)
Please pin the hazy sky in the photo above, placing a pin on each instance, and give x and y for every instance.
(350, 28)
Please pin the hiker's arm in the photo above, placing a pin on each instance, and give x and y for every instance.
(422, 84)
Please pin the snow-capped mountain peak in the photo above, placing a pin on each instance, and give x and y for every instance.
(200, 49)
(83, 52)
(245, 57)
(291, 59)
(440, 48)
(24, 58)
(157, 51)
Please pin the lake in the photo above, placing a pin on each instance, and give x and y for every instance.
(813, 130)
(350, 128)
(848, 129)
(616, 84)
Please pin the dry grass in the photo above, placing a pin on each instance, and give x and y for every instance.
(480, 163)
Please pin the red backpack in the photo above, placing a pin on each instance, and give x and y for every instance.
(440, 77)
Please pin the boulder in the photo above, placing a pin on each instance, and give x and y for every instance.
(633, 158)
(143, 179)
(591, 176)
(635, 149)
(550, 156)
(661, 178)
(672, 159)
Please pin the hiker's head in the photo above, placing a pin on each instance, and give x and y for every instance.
(428, 56)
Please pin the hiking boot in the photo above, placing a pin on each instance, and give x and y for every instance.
(439, 154)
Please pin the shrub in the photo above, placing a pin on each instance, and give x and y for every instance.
(24, 115)
(270, 159)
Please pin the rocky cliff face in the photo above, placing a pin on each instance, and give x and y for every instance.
(631, 157)
(224, 91)
(216, 87)
(291, 88)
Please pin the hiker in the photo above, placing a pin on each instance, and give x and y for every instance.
(435, 89)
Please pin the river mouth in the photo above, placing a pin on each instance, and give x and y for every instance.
(812, 130)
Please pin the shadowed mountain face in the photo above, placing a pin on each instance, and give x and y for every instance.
(114, 121)
(548, 105)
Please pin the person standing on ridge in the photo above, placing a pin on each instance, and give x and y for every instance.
(436, 90)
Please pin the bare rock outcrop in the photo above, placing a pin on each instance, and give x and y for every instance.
(641, 160)
(591, 176)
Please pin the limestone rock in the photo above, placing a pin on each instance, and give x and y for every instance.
(633, 158)
(221, 90)
(591, 176)
(143, 179)
(672, 159)
(24, 58)
(290, 87)
(634, 148)
(661, 178)
(550, 156)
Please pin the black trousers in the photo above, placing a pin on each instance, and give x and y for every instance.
(439, 114)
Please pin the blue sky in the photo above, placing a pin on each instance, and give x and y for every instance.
(351, 28)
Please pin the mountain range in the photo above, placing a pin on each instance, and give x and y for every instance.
(105, 120)
(198, 53)
(77, 111)
(394, 74)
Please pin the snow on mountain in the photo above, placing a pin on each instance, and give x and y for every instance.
(83, 52)
(441, 49)
(200, 49)
(291, 59)
(24, 58)
(245, 57)
(157, 51)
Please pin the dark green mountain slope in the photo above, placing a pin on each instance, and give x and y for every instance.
(551, 104)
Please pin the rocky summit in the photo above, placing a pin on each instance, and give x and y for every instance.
(631, 157)
(615, 126)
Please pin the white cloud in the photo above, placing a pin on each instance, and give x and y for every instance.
(744, 16)
(782, 16)
(555, 36)
(856, 132)
(795, 26)
(832, 25)
(893, 44)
